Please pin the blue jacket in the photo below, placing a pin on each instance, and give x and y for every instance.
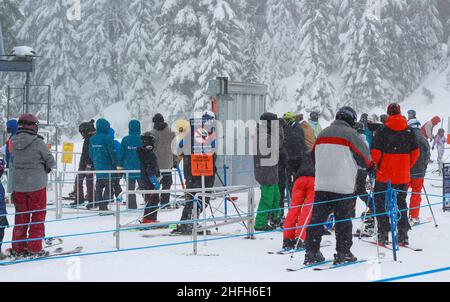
(129, 158)
(101, 149)
(117, 146)
(12, 126)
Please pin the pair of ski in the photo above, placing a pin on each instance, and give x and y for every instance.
(55, 253)
(329, 264)
(390, 247)
(209, 233)
(299, 250)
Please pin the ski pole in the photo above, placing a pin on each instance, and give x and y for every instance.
(303, 229)
(375, 218)
(431, 208)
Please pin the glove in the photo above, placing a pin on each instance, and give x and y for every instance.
(89, 167)
(372, 171)
(155, 182)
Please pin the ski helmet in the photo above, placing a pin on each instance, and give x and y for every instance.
(314, 116)
(289, 117)
(412, 114)
(148, 139)
(86, 128)
(208, 115)
(29, 121)
(348, 115)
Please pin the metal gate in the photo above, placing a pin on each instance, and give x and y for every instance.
(237, 101)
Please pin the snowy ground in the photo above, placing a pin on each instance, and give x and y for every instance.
(234, 259)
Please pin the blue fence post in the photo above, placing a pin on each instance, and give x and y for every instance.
(225, 184)
(392, 200)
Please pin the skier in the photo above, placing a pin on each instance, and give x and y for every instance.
(129, 160)
(150, 176)
(439, 141)
(103, 155)
(314, 123)
(427, 129)
(163, 150)
(266, 171)
(310, 137)
(300, 210)
(3, 218)
(418, 172)
(115, 181)
(395, 151)
(338, 153)
(194, 182)
(32, 161)
(87, 130)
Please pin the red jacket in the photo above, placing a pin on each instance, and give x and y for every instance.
(395, 150)
(427, 129)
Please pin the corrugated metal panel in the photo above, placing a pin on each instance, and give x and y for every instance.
(245, 102)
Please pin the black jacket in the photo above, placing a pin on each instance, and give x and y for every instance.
(85, 160)
(420, 168)
(295, 145)
(149, 166)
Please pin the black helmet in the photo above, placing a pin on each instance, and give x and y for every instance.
(347, 114)
(314, 116)
(86, 128)
(148, 139)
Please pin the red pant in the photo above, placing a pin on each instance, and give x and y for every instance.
(300, 211)
(416, 199)
(29, 225)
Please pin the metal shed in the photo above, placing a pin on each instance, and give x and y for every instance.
(237, 101)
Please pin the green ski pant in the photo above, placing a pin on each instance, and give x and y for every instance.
(270, 200)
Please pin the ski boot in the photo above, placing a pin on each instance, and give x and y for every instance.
(10, 253)
(2, 256)
(266, 228)
(299, 244)
(368, 228)
(414, 221)
(326, 232)
(288, 244)
(41, 254)
(383, 238)
(343, 258)
(312, 258)
(403, 239)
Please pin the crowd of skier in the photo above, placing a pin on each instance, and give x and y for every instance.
(313, 166)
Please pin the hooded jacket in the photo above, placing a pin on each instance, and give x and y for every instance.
(129, 159)
(338, 153)
(395, 151)
(266, 166)
(420, 168)
(149, 166)
(163, 146)
(31, 160)
(101, 149)
(2, 205)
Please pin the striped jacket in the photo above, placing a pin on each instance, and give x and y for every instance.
(338, 152)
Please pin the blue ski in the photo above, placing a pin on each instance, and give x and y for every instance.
(308, 266)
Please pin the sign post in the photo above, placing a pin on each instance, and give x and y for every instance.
(203, 143)
(446, 186)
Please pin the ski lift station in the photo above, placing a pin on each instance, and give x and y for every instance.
(236, 106)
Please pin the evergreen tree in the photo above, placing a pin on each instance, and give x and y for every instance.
(140, 94)
(222, 53)
(11, 17)
(315, 92)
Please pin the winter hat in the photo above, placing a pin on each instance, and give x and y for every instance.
(394, 109)
(347, 114)
(208, 115)
(29, 121)
(158, 118)
(300, 117)
(359, 127)
(148, 139)
(289, 117)
(414, 123)
(441, 131)
(86, 128)
(436, 120)
(12, 126)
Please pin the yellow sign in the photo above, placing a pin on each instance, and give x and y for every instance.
(67, 157)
